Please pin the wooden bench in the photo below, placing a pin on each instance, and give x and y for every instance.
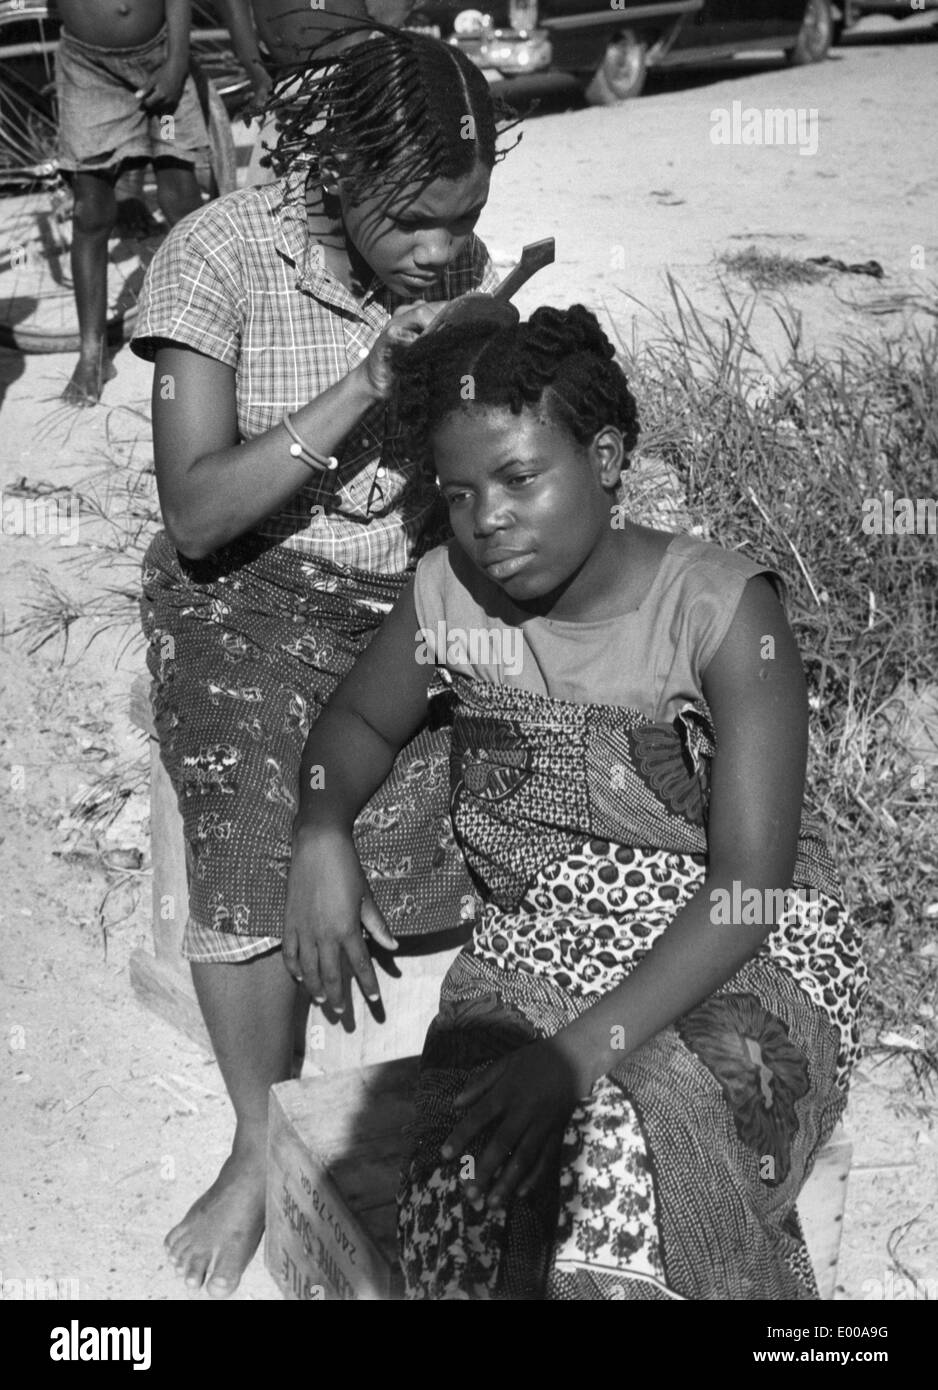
(334, 1147)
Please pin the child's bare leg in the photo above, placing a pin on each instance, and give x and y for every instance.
(249, 1011)
(177, 190)
(92, 221)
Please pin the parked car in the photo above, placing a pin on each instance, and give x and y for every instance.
(611, 47)
(899, 9)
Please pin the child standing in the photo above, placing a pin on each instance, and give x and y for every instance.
(124, 97)
(292, 520)
(650, 1035)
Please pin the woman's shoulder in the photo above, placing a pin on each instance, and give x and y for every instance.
(238, 216)
(698, 599)
(715, 567)
(200, 279)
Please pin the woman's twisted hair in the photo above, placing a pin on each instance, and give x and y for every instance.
(390, 106)
(560, 360)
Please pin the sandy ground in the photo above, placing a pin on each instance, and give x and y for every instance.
(113, 1121)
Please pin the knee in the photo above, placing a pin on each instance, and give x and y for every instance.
(178, 194)
(95, 212)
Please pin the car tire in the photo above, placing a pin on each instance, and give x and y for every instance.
(621, 74)
(817, 34)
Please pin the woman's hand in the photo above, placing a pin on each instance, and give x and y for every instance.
(328, 904)
(406, 324)
(529, 1096)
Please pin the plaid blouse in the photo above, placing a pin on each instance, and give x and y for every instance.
(242, 281)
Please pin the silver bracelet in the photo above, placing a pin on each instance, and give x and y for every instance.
(299, 449)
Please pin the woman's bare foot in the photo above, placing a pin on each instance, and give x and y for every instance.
(214, 1242)
(93, 369)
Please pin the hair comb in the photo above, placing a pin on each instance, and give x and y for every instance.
(497, 305)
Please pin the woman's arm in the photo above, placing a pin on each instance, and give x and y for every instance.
(759, 709)
(213, 488)
(349, 753)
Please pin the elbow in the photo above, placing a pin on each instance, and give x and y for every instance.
(192, 542)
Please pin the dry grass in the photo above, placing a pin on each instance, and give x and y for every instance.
(779, 463)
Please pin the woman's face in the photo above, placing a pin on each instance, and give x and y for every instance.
(408, 238)
(527, 503)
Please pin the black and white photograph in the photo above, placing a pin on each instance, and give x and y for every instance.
(469, 596)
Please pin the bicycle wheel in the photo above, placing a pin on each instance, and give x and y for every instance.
(37, 303)
(37, 299)
(28, 39)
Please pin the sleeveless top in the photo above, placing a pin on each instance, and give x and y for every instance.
(650, 659)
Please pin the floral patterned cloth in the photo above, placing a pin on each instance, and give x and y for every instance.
(244, 650)
(585, 828)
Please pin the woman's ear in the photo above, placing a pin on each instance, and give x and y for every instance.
(609, 453)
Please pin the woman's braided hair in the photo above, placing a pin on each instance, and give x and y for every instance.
(560, 360)
(391, 107)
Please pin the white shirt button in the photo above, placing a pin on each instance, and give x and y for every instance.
(381, 472)
(364, 441)
(363, 353)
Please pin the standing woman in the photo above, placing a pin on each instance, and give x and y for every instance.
(292, 519)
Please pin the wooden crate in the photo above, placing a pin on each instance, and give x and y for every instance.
(335, 1145)
(163, 982)
(334, 1155)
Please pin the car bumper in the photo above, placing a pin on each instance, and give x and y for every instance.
(506, 52)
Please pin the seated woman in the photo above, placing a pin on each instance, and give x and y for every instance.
(650, 1035)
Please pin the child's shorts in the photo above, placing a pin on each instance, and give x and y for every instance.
(101, 121)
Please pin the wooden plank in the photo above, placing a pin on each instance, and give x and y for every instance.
(170, 874)
(332, 1112)
(170, 885)
(821, 1208)
(141, 711)
(368, 1174)
(334, 1158)
(169, 993)
(410, 1004)
(316, 1246)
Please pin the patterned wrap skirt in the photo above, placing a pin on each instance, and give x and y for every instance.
(585, 830)
(244, 649)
